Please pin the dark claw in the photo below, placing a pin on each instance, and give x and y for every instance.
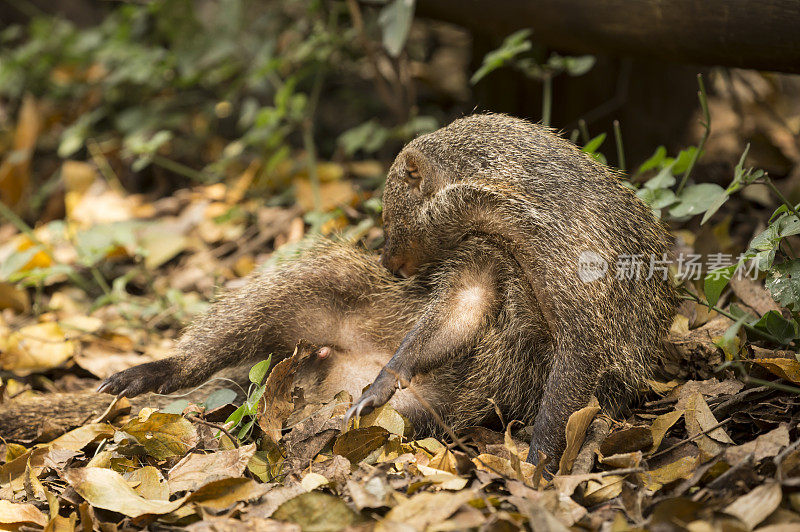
(357, 409)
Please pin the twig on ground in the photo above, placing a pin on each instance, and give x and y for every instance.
(595, 435)
(692, 438)
(217, 426)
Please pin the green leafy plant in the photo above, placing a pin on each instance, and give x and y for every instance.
(519, 52)
(244, 417)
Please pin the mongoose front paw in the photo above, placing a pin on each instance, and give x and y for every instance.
(377, 395)
(150, 377)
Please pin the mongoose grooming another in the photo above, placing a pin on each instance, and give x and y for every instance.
(489, 220)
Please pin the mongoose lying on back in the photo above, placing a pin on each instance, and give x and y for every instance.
(489, 221)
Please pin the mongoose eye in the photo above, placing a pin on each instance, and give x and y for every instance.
(412, 176)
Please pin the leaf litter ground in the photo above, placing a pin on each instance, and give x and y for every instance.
(701, 452)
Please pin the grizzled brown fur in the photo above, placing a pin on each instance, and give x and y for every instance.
(486, 219)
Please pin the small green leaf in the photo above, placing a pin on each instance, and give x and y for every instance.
(716, 281)
(255, 397)
(663, 179)
(719, 201)
(236, 416)
(395, 20)
(246, 429)
(696, 199)
(779, 327)
(219, 398)
(683, 160)
(259, 371)
(594, 144)
(512, 46)
(657, 198)
(654, 161)
(784, 284)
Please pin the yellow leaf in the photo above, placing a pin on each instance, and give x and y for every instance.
(681, 468)
(14, 298)
(785, 368)
(661, 425)
(313, 481)
(357, 444)
(19, 514)
(576, 431)
(77, 439)
(107, 489)
(37, 347)
(15, 167)
(163, 435)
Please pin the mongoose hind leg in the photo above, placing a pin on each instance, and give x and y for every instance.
(331, 294)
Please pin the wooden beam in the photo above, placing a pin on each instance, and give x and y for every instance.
(759, 34)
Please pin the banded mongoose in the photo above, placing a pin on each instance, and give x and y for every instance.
(488, 222)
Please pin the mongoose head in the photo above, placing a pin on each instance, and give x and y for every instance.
(487, 147)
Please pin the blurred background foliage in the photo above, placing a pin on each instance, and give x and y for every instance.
(116, 118)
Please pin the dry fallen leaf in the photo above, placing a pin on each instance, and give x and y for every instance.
(196, 470)
(699, 419)
(627, 441)
(15, 515)
(661, 425)
(357, 444)
(104, 488)
(576, 431)
(163, 435)
(754, 507)
(422, 510)
(316, 511)
(35, 348)
(785, 368)
(764, 446)
(149, 483)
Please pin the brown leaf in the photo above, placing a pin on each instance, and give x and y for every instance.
(764, 446)
(424, 509)
(15, 167)
(576, 431)
(316, 511)
(222, 494)
(661, 425)
(784, 368)
(20, 514)
(276, 403)
(489, 462)
(754, 507)
(627, 441)
(698, 418)
(196, 470)
(163, 435)
(104, 488)
(357, 444)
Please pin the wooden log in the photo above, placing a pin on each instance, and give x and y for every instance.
(759, 34)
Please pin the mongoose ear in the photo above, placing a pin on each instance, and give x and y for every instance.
(412, 174)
